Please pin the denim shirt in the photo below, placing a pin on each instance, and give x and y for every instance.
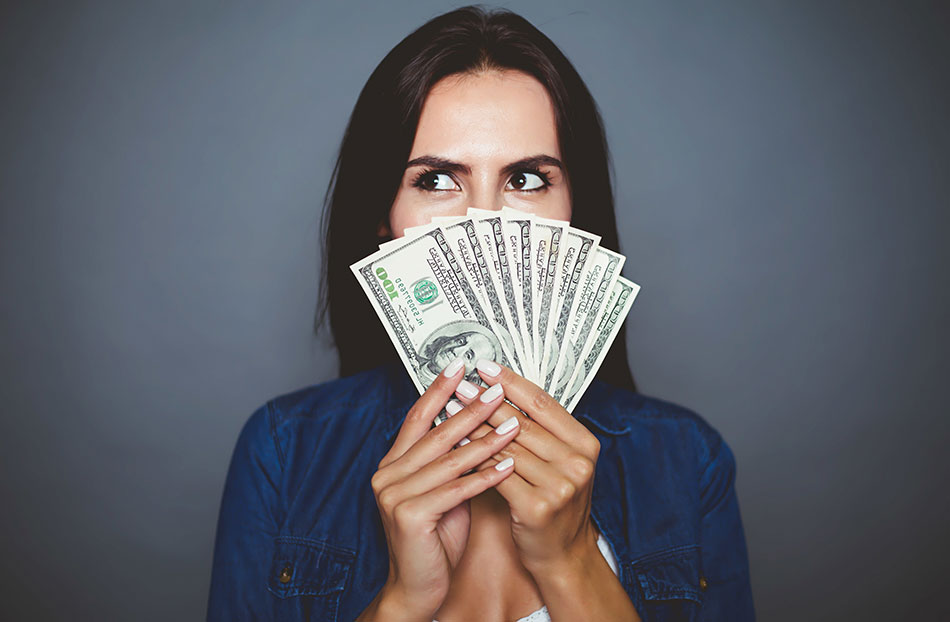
(299, 535)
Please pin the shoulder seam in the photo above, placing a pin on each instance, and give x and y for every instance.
(272, 425)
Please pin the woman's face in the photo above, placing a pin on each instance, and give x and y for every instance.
(486, 140)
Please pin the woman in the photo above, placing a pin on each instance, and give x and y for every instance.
(343, 503)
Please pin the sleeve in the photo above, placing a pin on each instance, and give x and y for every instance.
(728, 592)
(247, 525)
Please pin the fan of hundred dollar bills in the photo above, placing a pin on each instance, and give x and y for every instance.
(534, 294)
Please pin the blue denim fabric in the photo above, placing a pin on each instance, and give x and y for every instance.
(299, 535)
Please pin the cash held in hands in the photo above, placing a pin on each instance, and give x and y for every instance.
(533, 294)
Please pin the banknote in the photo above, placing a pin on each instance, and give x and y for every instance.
(597, 286)
(516, 226)
(464, 240)
(548, 235)
(576, 253)
(489, 226)
(429, 308)
(535, 294)
(618, 305)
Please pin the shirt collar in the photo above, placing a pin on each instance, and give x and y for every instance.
(607, 408)
(600, 405)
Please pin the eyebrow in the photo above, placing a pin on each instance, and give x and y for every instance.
(457, 167)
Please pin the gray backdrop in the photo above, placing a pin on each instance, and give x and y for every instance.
(782, 175)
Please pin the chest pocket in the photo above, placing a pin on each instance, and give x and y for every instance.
(670, 584)
(309, 576)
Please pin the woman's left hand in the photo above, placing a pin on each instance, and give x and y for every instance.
(549, 493)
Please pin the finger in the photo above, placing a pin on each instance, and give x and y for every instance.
(420, 417)
(524, 496)
(451, 465)
(439, 501)
(532, 435)
(515, 489)
(529, 466)
(439, 440)
(534, 401)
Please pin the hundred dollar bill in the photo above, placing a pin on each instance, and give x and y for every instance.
(464, 241)
(576, 254)
(489, 226)
(596, 288)
(545, 249)
(429, 308)
(468, 249)
(619, 304)
(516, 226)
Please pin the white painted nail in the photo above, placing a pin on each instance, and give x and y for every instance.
(507, 463)
(492, 392)
(488, 367)
(453, 368)
(507, 426)
(467, 389)
(453, 407)
(464, 442)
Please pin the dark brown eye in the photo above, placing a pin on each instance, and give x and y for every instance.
(433, 181)
(430, 181)
(526, 181)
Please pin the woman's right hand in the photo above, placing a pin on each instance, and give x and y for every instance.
(423, 496)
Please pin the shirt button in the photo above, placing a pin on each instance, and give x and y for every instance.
(702, 583)
(286, 573)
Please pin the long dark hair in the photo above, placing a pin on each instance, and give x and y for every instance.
(379, 137)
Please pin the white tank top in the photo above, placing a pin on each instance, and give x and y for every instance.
(542, 615)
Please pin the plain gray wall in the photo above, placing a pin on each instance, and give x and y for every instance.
(782, 176)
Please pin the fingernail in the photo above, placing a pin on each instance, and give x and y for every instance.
(453, 368)
(467, 389)
(491, 393)
(507, 463)
(490, 368)
(453, 407)
(464, 442)
(507, 426)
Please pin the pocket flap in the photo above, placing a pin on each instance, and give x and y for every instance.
(670, 574)
(302, 566)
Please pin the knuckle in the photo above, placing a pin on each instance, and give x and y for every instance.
(488, 474)
(451, 461)
(377, 482)
(540, 400)
(580, 468)
(387, 500)
(456, 487)
(526, 424)
(439, 434)
(539, 511)
(405, 514)
(593, 447)
(415, 413)
(565, 490)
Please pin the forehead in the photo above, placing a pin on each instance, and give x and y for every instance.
(497, 114)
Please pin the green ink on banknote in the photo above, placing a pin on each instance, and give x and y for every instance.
(425, 291)
(387, 284)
